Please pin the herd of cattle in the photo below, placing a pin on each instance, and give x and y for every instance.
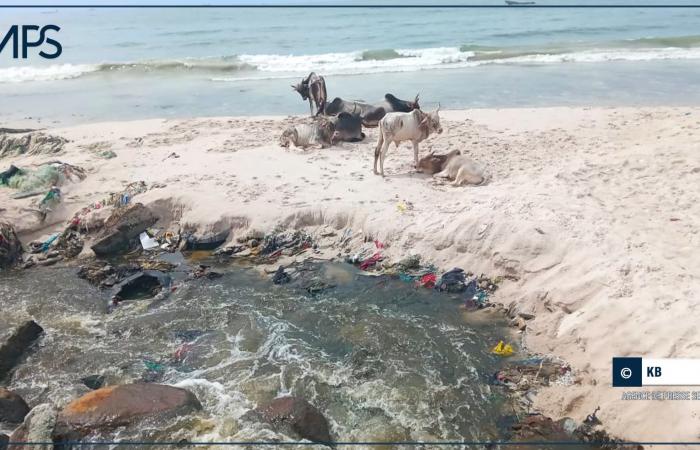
(398, 121)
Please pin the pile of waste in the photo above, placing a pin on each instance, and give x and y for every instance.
(116, 199)
(260, 248)
(30, 144)
(57, 247)
(535, 428)
(105, 275)
(305, 275)
(145, 279)
(33, 182)
(474, 289)
(532, 372)
(10, 246)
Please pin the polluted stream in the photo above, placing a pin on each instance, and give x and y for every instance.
(381, 359)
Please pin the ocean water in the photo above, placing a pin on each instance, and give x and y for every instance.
(132, 63)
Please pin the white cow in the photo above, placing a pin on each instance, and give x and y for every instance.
(397, 127)
(462, 170)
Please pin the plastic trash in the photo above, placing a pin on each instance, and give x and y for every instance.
(9, 173)
(147, 242)
(153, 366)
(371, 261)
(427, 280)
(47, 243)
(453, 281)
(502, 349)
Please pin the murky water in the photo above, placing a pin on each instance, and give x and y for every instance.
(382, 360)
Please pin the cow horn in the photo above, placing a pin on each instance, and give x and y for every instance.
(416, 100)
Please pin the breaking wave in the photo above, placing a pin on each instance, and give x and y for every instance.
(21, 74)
(271, 66)
(48, 73)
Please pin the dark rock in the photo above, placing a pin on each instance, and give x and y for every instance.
(536, 427)
(4, 439)
(144, 284)
(17, 345)
(38, 426)
(13, 408)
(93, 381)
(124, 225)
(280, 276)
(117, 406)
(296, 415)
(104, 275)
(203, 271)
(10, 246)
(315, 285)
(206, 242)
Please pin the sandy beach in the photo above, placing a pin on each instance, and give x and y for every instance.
(592, 214)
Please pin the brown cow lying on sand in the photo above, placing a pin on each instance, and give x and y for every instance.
(454, 166)
(432, 163)
(318, 134)
(324, 132)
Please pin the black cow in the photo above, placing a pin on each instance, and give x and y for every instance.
(371, 114)
(393, 104)
(313, 88)
(348, 128)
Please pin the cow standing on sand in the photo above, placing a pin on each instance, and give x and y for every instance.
(313, 88)
(415, 126)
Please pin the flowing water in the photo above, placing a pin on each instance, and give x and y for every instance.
(383, 360)
(183, 62)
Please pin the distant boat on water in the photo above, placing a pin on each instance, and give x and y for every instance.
(515, 3)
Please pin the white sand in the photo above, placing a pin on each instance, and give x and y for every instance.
(595, 211)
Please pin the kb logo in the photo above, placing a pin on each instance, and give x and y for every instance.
(31, 36)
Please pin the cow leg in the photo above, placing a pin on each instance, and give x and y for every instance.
(415, 154)
(460, 178)
(385, 149)
(311, 106)
(320, 109)
(377, 150)
(321, 105)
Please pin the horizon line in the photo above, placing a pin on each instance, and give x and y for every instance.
(351, 6)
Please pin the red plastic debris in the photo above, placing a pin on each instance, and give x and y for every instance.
(428, 280)
(371, 261)
(182, 351)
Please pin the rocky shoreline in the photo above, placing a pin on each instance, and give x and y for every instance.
(131, 245)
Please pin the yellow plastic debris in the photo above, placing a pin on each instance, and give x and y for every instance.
(502, 349)
(401, 206)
